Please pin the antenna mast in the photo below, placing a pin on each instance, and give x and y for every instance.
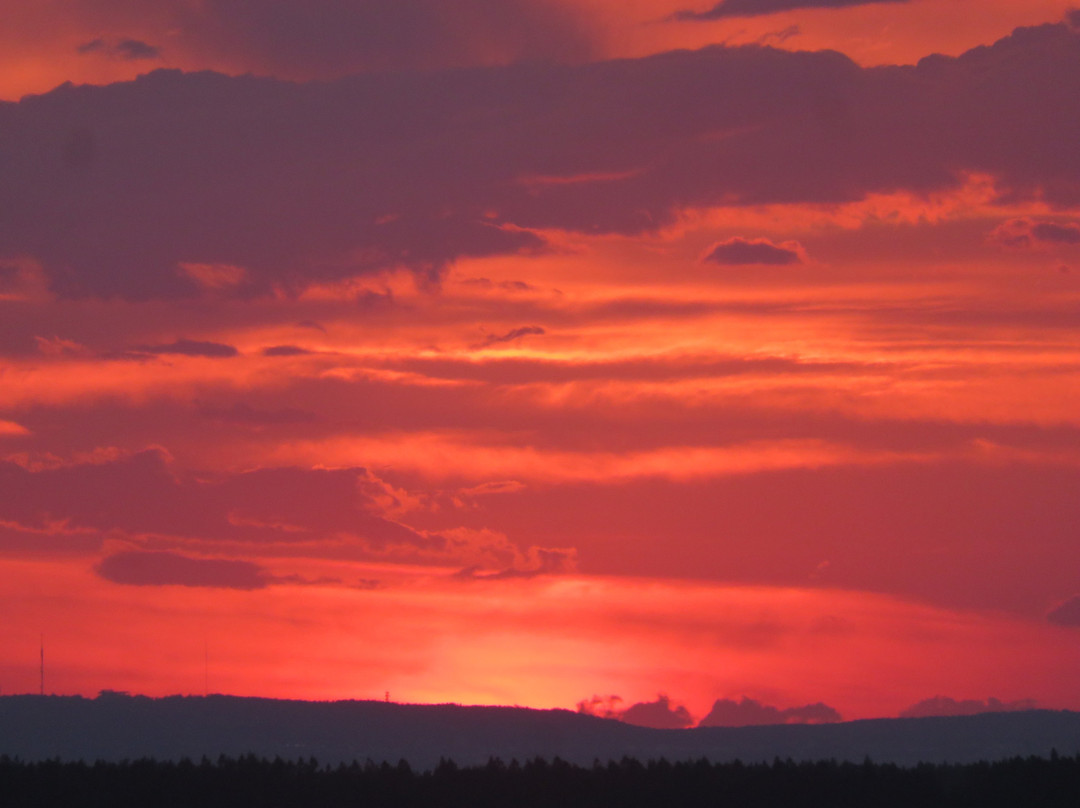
(42, 672)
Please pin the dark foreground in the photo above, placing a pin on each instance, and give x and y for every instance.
(250, 781)
(114, 727)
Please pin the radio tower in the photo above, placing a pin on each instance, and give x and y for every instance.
(42, 678)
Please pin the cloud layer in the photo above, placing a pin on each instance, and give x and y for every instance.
(176, 169)
(755, 8)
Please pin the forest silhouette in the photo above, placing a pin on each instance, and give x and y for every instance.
(1032, 782)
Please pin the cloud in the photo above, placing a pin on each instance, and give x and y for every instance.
(537, 561)
(140, 568)
(751, 713)
(740, 251)
(1067, 613)
(188, 347)
(130, 49)
(136, 49)
(659, 714)
(510, 336)
(93, 46)
(144, 495)
(285, 350)
(326, 38)
(188, 161)
(756, 8)
(945, 706)
(1026, 233)
(12, 429)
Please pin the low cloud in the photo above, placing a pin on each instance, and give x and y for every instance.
(758, 8)
(129, 49)
(1022, 234)
(144, 568)
(285, 350)
(189, 347)
(945, 706)
(511, 336)
(743, 252)
(751, 713)
(659, 714)
(1067, 614)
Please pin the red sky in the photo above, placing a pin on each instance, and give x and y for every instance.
(521, 352)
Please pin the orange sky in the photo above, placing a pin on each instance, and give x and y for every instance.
(734, 372)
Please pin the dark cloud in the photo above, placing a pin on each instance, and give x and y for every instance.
(328, 37)
(1025, 233)
(136, 49)
(740, 251)
(1067, 613)
(130, 49)
(1057, 233)
(659, 714)
(285, 350)
(141, 568)
(510, 336)
(93, 46)
(1073, 18)
(52, 539)
(418, 169)
(189, 347)
(304, 39)
(144, 496)
(751, 713)
(757, 8)
(943, 706)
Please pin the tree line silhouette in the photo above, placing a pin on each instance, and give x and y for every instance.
(1031, 782)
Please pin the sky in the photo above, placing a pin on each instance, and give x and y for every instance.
(681, 363)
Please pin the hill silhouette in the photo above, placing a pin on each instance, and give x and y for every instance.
(116, 727)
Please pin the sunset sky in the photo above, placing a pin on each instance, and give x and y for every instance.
(531, 351)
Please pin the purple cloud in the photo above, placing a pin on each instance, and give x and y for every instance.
(285, 350)
(130, 49)
(139, 568)
(741, 251)
(188, 161)
(751, 713)
(659, 714)
(143, 495)
(189, 347)
(1026, 233)
(757, 8)
(511, 336)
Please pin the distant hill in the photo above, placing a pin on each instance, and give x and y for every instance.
(117, 727)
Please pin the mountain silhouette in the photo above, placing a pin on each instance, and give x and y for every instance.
(115, 727)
